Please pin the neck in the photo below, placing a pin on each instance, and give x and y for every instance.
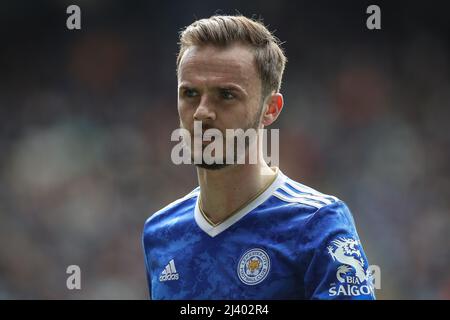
(224, 191)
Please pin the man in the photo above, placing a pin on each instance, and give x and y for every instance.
(247, 231)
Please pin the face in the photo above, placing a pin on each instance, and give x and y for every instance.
(221, 88)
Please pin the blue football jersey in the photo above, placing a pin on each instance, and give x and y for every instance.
(291, 242)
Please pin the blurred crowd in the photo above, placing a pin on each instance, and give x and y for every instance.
(86, 118)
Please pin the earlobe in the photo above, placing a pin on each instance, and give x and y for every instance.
(266, 121)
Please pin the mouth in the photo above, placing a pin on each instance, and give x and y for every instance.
(207, 142)
(203, 136)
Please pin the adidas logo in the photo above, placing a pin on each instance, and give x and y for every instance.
(169, 272)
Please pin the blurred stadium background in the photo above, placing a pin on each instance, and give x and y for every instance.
(86, 117)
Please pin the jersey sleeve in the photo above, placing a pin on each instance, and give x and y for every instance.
(337, 267)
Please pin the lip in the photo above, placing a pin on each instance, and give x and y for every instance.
(196, 136)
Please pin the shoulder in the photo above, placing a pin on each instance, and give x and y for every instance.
(332, 218)
(319, 208)
(171, 211)
(291, 191)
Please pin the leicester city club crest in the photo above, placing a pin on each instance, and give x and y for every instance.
(254, 266)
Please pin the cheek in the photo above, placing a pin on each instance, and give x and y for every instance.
(235, 116)
(252, 110)
(186, 115)
(184, 111)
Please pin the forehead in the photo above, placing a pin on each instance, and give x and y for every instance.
(210, 64)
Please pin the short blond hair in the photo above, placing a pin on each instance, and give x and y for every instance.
(222, 31)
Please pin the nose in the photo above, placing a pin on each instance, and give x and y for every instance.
(204, 111)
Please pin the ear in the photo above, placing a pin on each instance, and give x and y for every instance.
(274, 105)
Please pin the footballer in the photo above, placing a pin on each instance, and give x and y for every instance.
(247, 231)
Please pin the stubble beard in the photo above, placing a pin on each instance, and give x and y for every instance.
(254, 124)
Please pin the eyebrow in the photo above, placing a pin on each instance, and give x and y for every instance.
(224, 86)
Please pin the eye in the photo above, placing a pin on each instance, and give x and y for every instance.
(190, 93)
(226, 94)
